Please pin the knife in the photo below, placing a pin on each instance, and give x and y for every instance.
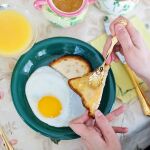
(143, 101)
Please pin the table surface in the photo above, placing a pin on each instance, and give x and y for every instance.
(24, 137)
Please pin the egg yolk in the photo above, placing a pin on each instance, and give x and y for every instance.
(49, 106)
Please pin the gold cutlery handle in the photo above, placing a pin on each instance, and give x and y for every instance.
(97, 75)
(142, 91)
(114, 41)
(145, 106)
(5, 140)
(8, 144)
(5, 143)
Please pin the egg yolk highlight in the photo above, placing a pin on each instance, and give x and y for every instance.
(49, 106)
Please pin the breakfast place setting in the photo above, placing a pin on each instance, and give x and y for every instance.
(74, 74)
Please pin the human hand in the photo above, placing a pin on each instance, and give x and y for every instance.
(133, 48)
(98, 134)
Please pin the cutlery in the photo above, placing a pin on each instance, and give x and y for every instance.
(96, 76)
(5, 140)
(143, 101)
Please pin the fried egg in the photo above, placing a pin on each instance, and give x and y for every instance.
(51, 99)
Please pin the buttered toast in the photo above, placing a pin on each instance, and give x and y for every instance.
(91, 97)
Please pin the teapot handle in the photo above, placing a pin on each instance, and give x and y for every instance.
(91, 1)
(39, 3)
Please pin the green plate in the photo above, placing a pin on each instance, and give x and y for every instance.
(42, 54)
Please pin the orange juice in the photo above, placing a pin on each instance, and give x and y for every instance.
(15, 32)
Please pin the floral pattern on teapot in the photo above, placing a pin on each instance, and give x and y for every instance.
(117, 7)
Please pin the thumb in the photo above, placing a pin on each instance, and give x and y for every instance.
(124, 38)
(80, 129)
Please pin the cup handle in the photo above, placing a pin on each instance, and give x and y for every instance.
(91, 1)
(39, 3)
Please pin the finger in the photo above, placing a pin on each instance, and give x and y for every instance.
(81, 119)
(106, 47)
(95, 135)
(114, 114)
(135, 35)
(103, 125)
(97, 130)
(78, 126)
(120, 129)
(116, 129)
(79, 129)
(112, 26)
(124, 38)
(90, 122)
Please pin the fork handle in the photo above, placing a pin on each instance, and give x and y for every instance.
(145, 106)
(114, 41)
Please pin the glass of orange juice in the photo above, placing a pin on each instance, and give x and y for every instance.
(18, 32)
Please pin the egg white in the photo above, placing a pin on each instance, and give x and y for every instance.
(46, 81)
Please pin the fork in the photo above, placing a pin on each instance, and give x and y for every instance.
(94, 79)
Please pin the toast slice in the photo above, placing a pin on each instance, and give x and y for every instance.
(91, 97)
(71, 66)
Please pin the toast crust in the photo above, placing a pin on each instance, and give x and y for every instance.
(71, 66)
(71, 57)
(82, 97)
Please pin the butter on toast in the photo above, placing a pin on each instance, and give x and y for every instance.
(91, 97)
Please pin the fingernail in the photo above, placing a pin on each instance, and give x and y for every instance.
(98, 113)
(119, 27)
